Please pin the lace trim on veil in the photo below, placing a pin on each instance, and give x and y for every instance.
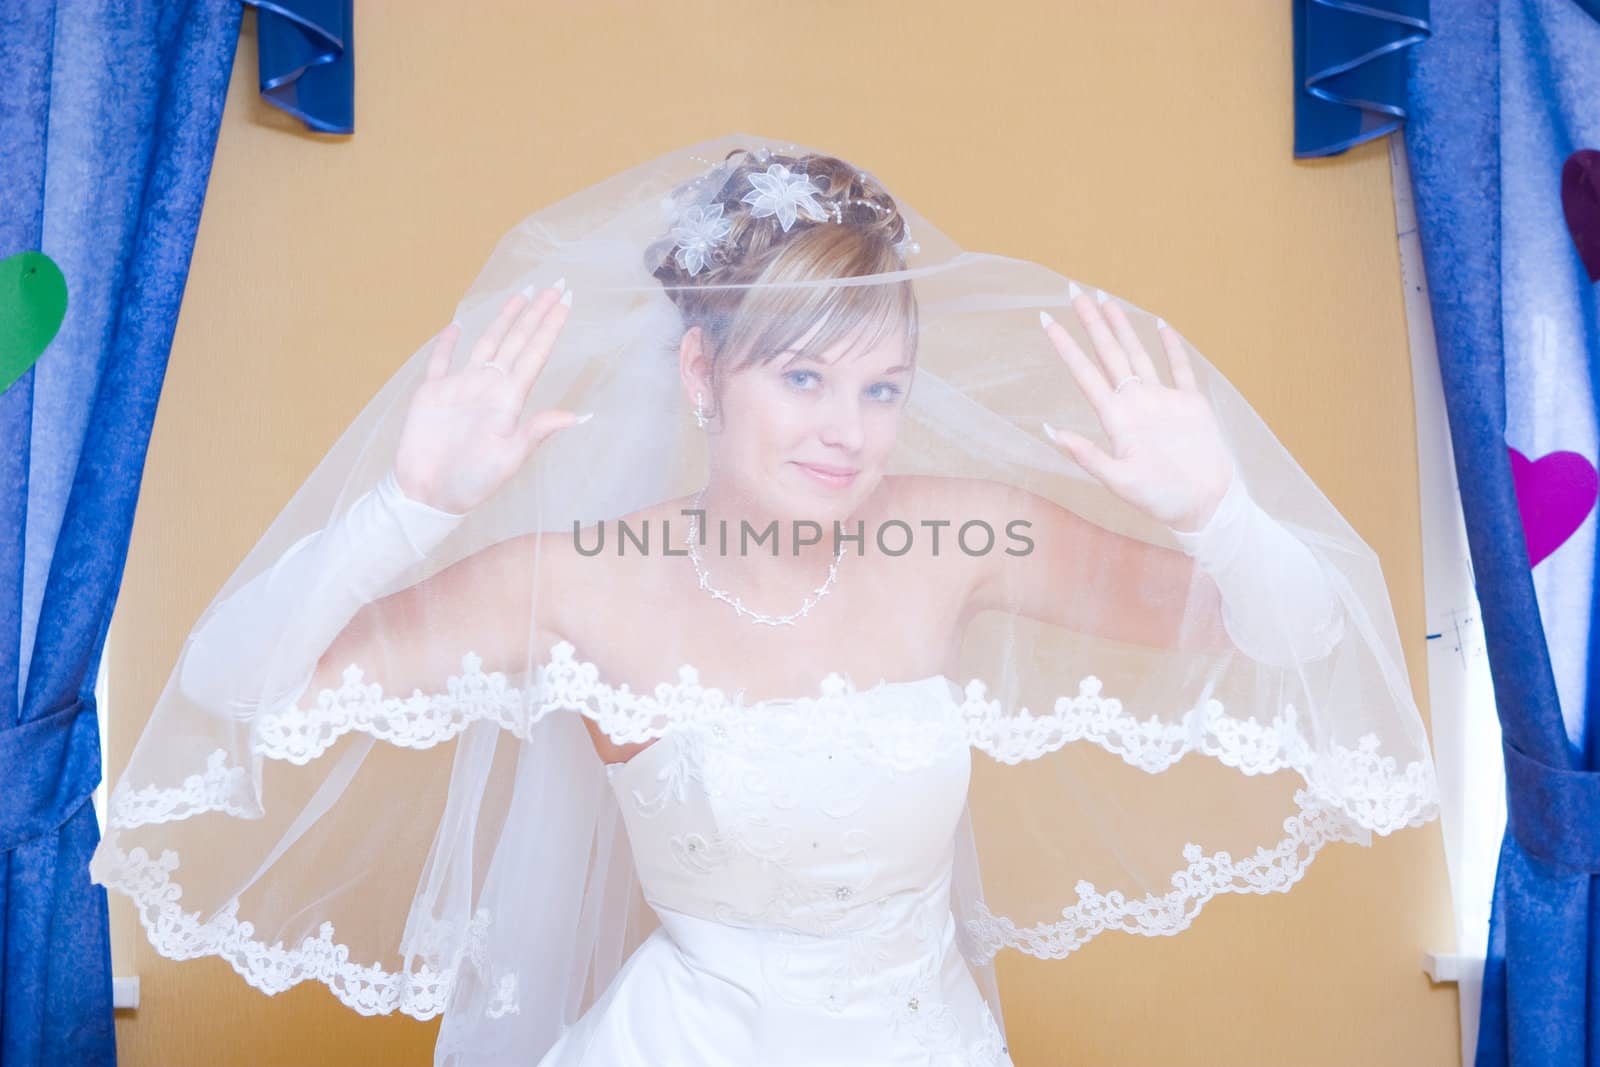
(369, 989)
(1355, 792)
(1269, 870)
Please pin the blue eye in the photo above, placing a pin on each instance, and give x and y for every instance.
(891, 392)
(790, 377)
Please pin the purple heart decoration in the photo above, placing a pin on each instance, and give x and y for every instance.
(1580, 202)
(1555, 493)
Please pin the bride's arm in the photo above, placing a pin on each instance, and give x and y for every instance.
(328, 600)
(1278, 604)
(322, 606)
(1261, 590)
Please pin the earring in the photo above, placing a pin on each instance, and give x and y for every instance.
(699, 410)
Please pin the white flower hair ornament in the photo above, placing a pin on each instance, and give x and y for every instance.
(781, 193)
(699, 228)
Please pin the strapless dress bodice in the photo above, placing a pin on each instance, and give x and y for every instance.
(799, 855)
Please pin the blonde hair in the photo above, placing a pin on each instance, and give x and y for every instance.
(739, 299)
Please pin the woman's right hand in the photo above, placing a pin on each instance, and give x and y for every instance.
(461, 440)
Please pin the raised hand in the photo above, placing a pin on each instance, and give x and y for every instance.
(1167, 455)
(462, 440)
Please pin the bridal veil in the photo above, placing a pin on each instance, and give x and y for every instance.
(432, 833)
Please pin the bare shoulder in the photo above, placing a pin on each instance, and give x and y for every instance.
(956, 499)
(941, 511)
(988, 521)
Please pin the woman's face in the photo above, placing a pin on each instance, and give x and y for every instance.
(808, 436)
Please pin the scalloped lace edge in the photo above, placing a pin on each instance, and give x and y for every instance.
(181, 935)
(1363, 784)
(1380, 801)
(422, 994)
(1268, 870)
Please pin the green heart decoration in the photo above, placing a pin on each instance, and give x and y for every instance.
(33, 301)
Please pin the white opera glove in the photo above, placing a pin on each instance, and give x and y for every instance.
(1277, 604)
(290, 613)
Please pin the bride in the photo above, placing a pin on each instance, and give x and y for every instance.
(732, 862)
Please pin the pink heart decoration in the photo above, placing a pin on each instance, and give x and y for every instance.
(1555, 493)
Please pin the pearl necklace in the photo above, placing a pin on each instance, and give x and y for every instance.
(738, 605)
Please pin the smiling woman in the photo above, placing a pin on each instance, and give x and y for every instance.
(815, 409)
(836, 360)
(747, 721)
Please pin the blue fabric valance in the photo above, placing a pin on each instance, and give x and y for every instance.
(307, 60)
(1350, 70)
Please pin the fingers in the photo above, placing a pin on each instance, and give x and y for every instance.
(444, 346)
(526, 363)
(1178, 358)
(1089, 377)
(519, 312)
(516, 338)
(1083, 451)
(489, 341)
(1123, 330)
(1106, 347)
(542, 424)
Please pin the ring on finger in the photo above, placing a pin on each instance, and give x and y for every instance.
(492, 365)
(1130, 378)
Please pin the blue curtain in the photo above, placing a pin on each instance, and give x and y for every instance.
(1350, 65)
(106, 137)
(1503, 106)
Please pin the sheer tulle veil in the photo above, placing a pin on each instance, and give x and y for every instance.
(433, 833)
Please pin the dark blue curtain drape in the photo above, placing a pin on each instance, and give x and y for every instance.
(1502, 96)
(306, 58)
(1350, 65)
(108, 122)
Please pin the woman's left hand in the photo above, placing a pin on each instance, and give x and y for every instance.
(1167, 455)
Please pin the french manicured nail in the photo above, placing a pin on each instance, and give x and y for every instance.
(566, 297)
(561, 283)
(1049, 431)
(1073, 290)
(1045, 320)
(526, 292)
(1161, 324)
(1101, 296)
(585, 417)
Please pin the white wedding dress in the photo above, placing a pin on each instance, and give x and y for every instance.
(799, 854)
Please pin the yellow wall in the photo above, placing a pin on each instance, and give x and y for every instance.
(1144, 146)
